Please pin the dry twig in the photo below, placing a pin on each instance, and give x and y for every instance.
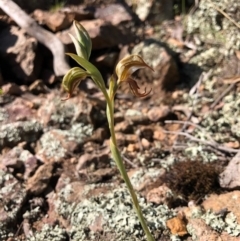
(225, 92)
(192, 124)
(194, 90)
(224, 14)
(233, 80)
(129, 162)
(220, 154)
(214, 145)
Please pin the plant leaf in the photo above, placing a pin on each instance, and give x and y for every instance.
(91, 69)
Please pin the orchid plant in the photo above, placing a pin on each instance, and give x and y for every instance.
(124, 71)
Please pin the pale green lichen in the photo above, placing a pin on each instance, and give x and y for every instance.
(175, 238)
(220, 126)
(12, 196)
(62, 114)
(191, 231)
(219, 224)
(167, 161)
(211, 27)
(151, 52)
(232, 227)
(32, 214)
(52, 147)
(195, 151)
(207, 58)
(215, 221)
(13, 133)
(132, 112)
(142, 174)
(118, 217)
(5, 233)
(48, 233)
(3, 115)
(20, 154)
(224, 122)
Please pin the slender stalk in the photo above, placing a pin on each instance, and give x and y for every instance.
(183, 7)
(124, 70)
(118, 159)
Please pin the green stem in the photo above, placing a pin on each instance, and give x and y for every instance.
(118, 159)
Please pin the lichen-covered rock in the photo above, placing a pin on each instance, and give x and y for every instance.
(54, 112)
(166, 73)
(229, 201)
(200, 231)
(225, 121)
(218, 223)
(12, 196)
(17, 158)
(218, 217)
(136, 117)
(55, 144)
(14, 133)
(211, 26)
(141, 178)
(49, 233)
(111, 213)
(160, 195)
(207, 58)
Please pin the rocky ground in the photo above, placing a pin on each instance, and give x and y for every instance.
(180, 145)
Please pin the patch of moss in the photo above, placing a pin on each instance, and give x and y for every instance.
(192, 179)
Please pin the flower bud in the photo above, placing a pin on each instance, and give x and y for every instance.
(72, 79)
(82, 42)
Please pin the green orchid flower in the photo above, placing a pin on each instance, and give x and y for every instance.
(124, 70)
